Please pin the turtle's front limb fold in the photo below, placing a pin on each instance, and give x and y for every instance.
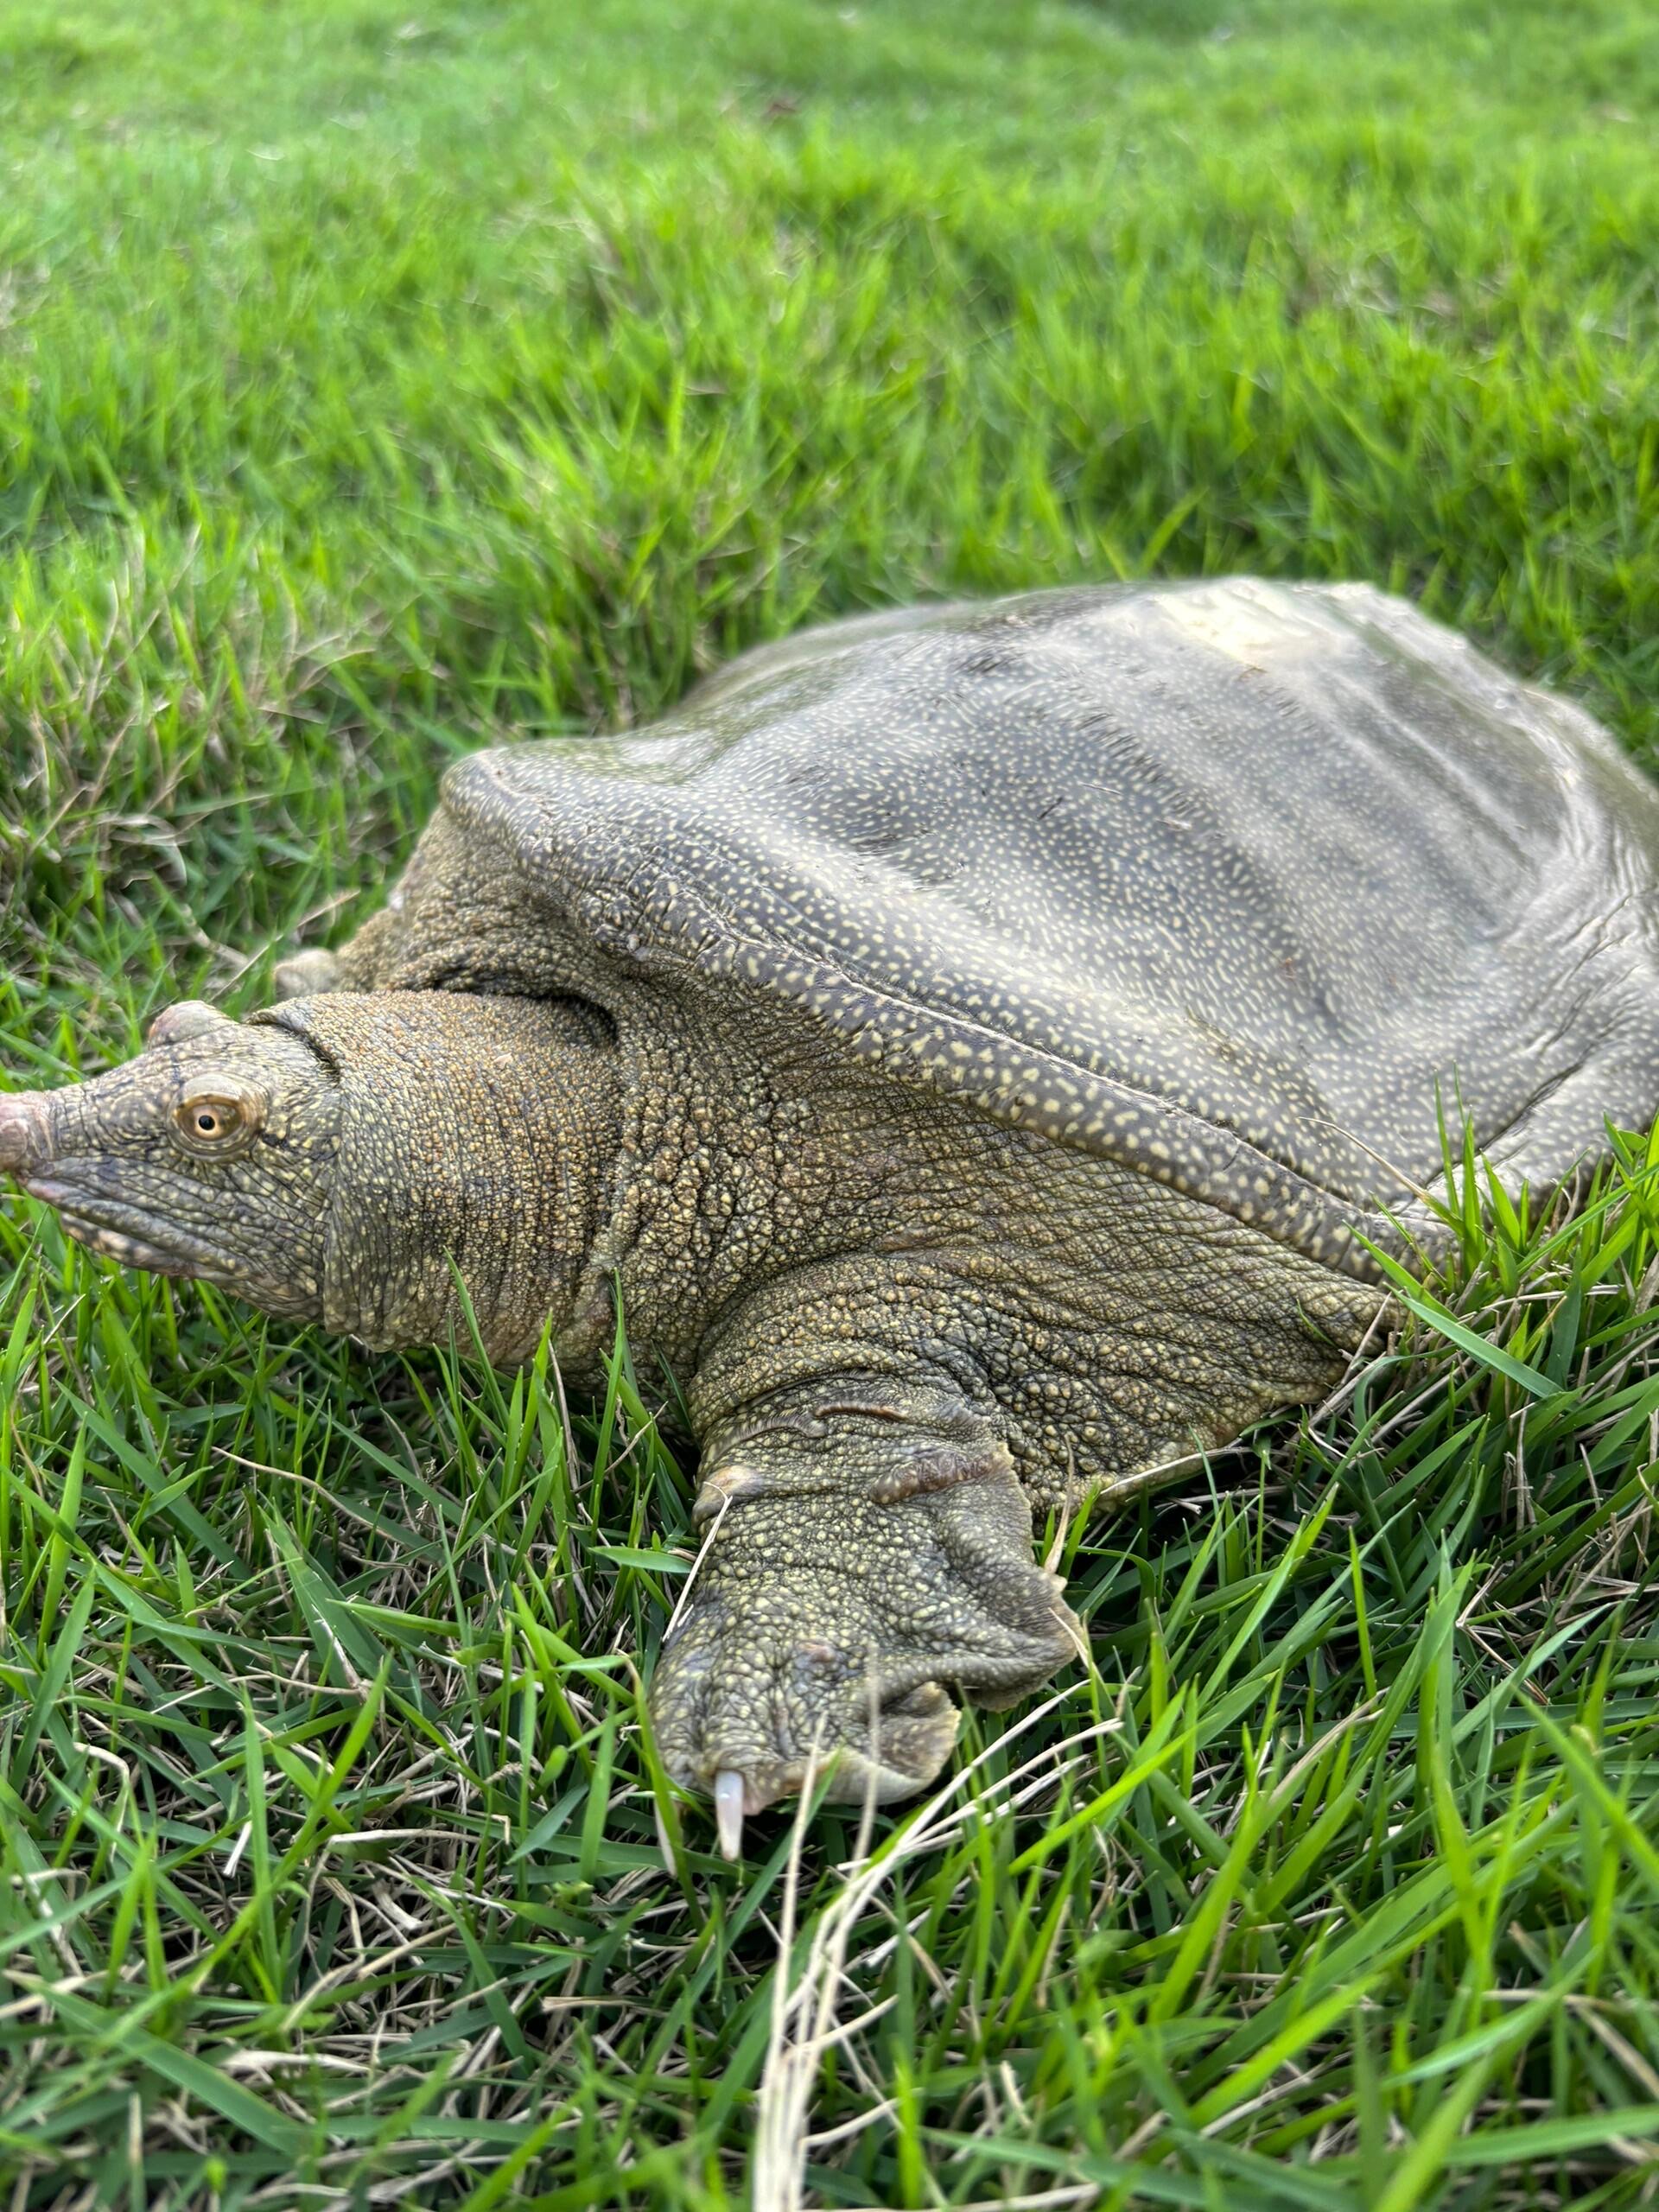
(868, 1550)
(303, 973)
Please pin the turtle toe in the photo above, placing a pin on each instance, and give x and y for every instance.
(749, 1722)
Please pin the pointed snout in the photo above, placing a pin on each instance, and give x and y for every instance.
(24, 1133)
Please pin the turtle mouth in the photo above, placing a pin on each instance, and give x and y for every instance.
(132, 1234)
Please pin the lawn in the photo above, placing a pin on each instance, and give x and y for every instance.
(377, 380)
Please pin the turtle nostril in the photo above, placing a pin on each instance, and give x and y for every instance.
(22, 1132)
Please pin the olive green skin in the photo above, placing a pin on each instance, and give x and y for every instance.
(978, 1046)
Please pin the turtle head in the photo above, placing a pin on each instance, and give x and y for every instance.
(210, 1155)
(343, 1160)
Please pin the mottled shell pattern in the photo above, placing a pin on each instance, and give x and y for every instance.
(1241, 884)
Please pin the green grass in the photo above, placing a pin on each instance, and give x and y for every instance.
(375, 380)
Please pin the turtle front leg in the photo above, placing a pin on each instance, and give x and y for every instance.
(867, 1546)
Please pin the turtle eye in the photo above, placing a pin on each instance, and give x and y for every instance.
(217, 1122)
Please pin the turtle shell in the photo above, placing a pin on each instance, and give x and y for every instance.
(1246, 886)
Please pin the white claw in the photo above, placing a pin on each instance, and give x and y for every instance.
(729, 1813)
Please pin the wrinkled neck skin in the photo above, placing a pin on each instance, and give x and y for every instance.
(479, 1137)
(745, 1154)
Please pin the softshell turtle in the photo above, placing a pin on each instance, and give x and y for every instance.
(981, 1046)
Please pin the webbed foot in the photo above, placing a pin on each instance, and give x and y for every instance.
(856, 1568)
